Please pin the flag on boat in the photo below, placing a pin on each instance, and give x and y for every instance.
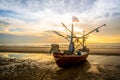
(75, 19)
(97, 30)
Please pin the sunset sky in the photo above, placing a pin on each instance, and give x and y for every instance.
(34, 20)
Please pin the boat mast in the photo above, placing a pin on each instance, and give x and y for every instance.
(72, 33)
(83, 41)
(71, 46)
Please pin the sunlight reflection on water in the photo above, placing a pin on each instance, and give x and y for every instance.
(94, 59)
(39, 57)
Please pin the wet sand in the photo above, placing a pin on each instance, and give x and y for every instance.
(24, 49)
(34, 66)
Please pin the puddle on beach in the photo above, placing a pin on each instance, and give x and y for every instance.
(41, 66)
(95, 59)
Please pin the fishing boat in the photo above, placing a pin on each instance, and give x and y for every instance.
(73, 55)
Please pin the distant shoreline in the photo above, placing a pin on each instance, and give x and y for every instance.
(30, 49)
(106, 54)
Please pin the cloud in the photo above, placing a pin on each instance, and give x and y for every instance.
(47, 10)
(39, 17)
(44, 8)
(4, 23)
(25, 10)
(116, 14)
(105, 7)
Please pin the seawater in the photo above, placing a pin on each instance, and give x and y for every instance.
(101, 48)
(45, 57)
(89, 45)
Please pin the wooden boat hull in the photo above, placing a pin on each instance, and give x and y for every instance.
(64, 60)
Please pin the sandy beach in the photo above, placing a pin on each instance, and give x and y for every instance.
(35, 63)
(34, 66)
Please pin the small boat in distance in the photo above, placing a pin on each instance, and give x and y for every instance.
(73, 55)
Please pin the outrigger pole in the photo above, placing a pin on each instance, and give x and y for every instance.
(61, 35)
(95, 29)
(83, 36)
(65, 27)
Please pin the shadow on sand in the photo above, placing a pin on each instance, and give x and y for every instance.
(72, 73)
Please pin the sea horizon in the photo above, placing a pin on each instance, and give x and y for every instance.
(95, 48)
(91, 45)
(44, 43)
